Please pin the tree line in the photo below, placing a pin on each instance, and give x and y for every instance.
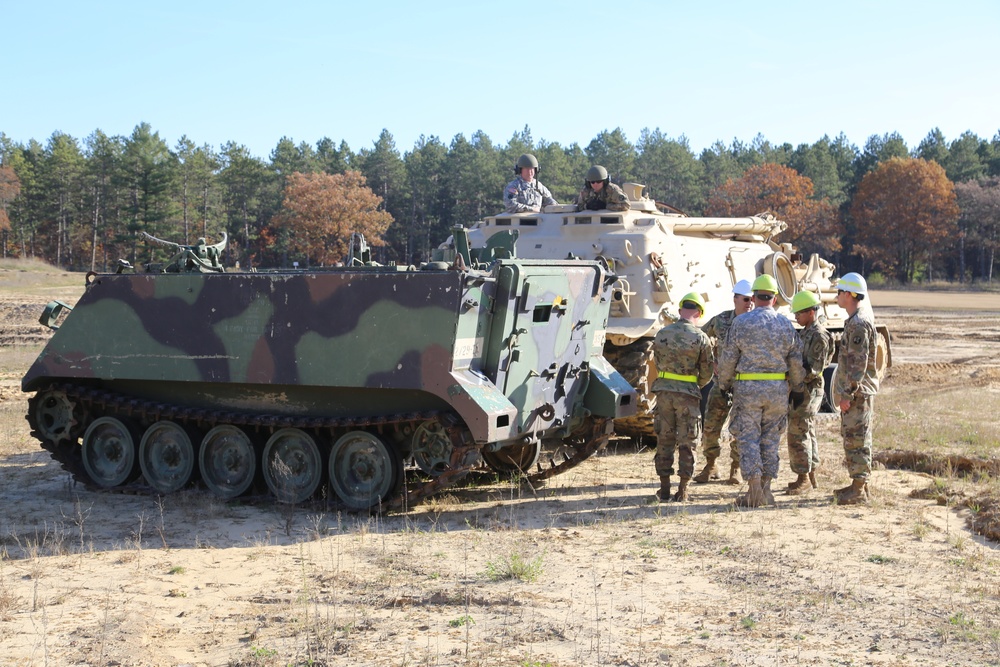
(927, 212)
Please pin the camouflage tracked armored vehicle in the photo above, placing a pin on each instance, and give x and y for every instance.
(658, 255)
(313, 378)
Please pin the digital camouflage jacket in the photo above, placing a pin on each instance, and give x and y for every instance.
(611, 197)
(762, 341)
(856, 362)
(683, 349)
(520, 196)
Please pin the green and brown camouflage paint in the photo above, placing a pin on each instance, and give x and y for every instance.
(515, 352)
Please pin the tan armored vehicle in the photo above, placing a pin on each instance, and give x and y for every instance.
(659, 254)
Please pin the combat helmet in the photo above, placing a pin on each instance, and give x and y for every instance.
(597, 173)
(527, 161)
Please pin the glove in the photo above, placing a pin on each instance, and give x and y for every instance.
(595, 205)
(797, 397)
(806, 365)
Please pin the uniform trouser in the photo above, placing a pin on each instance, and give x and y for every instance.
(716, 413)
(856, 427)
(760, 413)
(678, 427)
(803, 449)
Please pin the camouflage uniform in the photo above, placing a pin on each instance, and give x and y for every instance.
(681, 349)
(817, 351)
(857, 382)
(611, 197)
(521, 196)
(761, 341)
(719, 402)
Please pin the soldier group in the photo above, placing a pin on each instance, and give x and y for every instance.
(768, 379)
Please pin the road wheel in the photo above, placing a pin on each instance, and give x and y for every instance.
(228, 461)
(167, 456)
(109, 452)
(293, 466)
(364, 471)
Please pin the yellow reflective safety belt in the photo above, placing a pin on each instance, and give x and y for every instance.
(674, 376)
(760, 376)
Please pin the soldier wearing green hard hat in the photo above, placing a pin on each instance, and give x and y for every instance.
(693, 300)
(761, 361)
(817, 351)
(763, 285)
(805, 301)
(684, 364)
(599, 193)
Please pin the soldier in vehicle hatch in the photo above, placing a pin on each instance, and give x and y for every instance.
(525, 193)
(600, 193)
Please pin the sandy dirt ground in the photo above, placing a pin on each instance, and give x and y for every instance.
(585, 570)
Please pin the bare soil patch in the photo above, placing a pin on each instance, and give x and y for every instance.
(585, 570)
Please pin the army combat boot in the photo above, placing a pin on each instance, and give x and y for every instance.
(664, 493)
(799, 486)
(682, 491)
(837, 493)
(734, 474)
(709, 472)
(765, 489)
(754, 497)
(812, 479)
(855, 494)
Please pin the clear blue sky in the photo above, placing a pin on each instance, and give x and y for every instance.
(252, 72)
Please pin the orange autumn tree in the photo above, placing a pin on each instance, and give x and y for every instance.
(321, 211)
(813, 225)
(10, 187)
(904, 211)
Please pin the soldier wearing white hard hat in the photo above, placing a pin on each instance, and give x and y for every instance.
(856, 386)
(719, 403)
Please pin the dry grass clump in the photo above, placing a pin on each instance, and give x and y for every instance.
(9, 602)
(513, 566)
(984, 516)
